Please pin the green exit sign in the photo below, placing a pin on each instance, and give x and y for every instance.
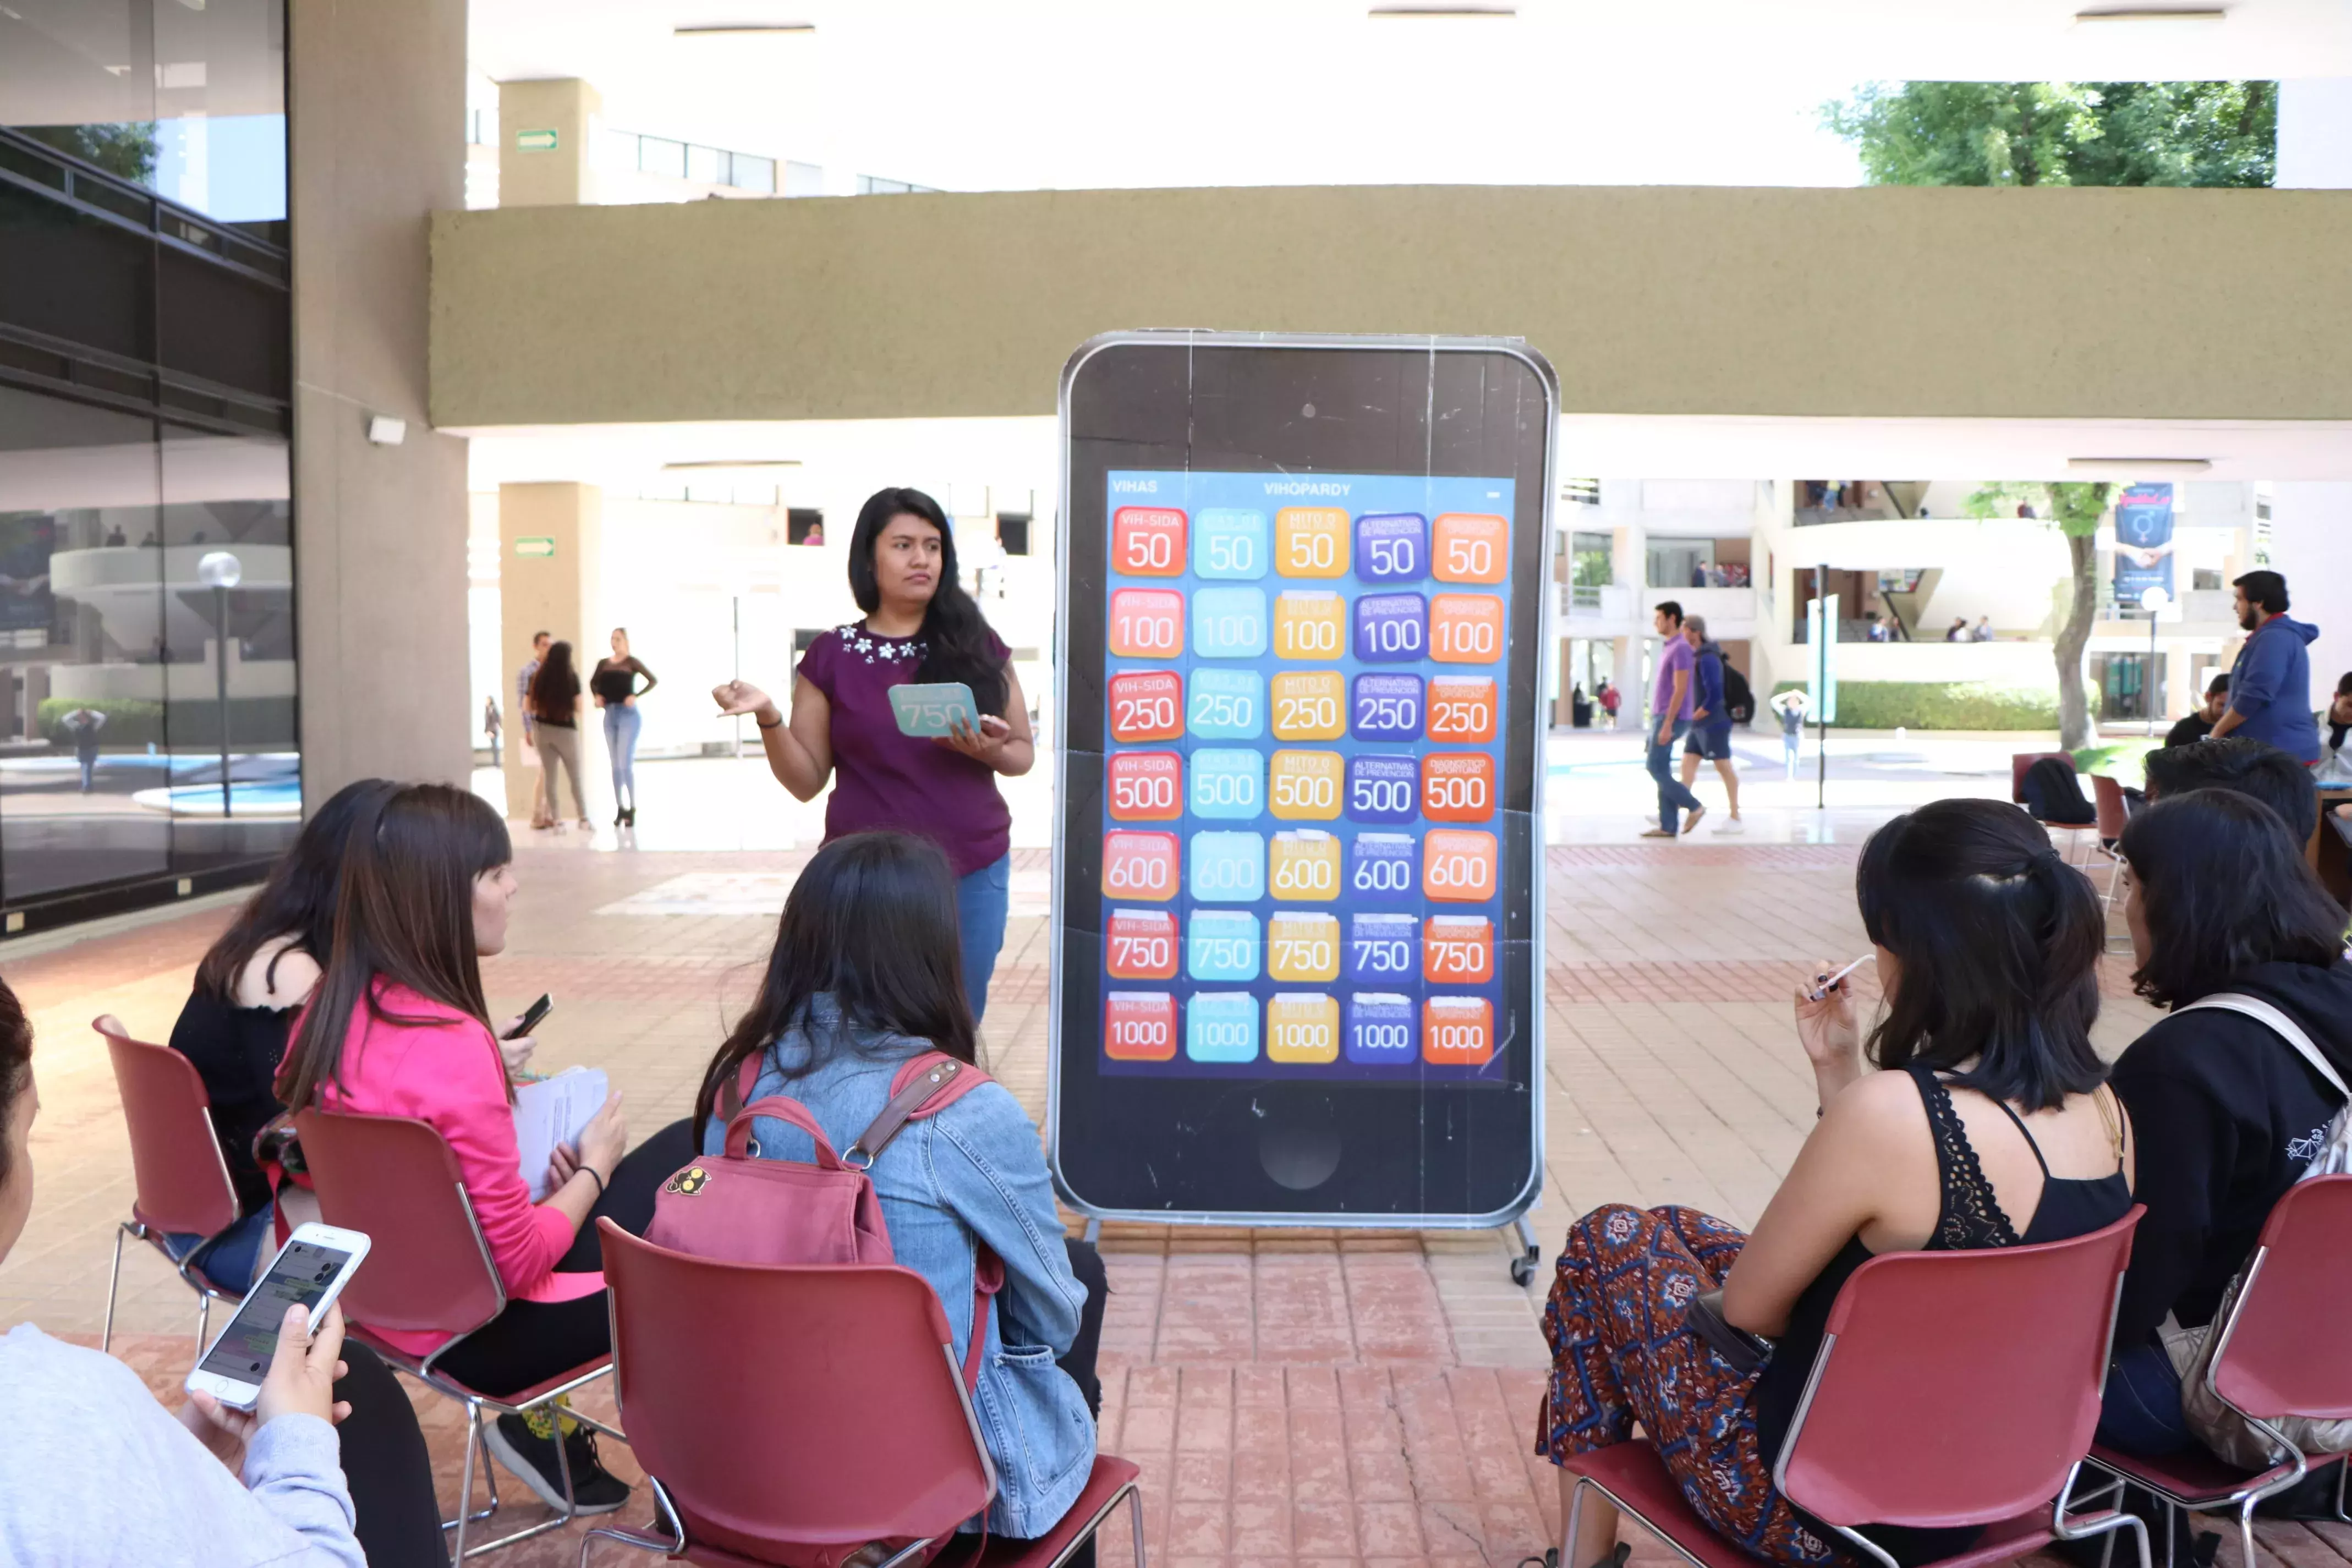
(542, 547)
(535, 141)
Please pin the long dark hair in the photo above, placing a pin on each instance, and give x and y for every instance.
(556, 684)
(406, 917)
(298, 899)
(956, 638)
(871, 923)
(1999, 942)
(2225, 886)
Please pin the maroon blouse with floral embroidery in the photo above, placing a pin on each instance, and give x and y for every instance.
(884, 779)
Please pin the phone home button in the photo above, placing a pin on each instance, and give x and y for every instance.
(1298, 1142)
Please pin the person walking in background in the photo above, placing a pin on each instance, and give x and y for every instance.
(614, 683)
(2196, 726)
(1984, 628)
(83, 724)
(1790, 706)
(1958, 630)
(541, 814)
(1610, 699)
(555, 714)
(1710, 735)
(920, 626)
(1671, 705)
(2269, 685)
(490, 727)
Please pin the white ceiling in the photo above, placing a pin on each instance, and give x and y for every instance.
(1015, 94)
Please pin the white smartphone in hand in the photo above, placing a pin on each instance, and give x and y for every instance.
(310, 1270)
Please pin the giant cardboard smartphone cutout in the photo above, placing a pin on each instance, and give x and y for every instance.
(1298, 888)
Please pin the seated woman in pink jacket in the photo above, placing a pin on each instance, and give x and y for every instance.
(397, 1027)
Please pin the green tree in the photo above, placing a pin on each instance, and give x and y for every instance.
(2076, 508)
(2062, 133)
(126, 151)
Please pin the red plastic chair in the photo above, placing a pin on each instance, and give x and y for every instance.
(1952, 1389)
(181, 1182)
(428, 1270)
(2283, 1352)
(2108, 800)
(763, 1400)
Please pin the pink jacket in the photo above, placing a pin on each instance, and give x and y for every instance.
(448, 1073)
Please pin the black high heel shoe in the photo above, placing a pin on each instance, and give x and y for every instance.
(631, 815)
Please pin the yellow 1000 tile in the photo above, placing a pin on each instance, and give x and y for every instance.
(1310, 541)
(1310, 705)
(1302, 1026)
(1303, 948)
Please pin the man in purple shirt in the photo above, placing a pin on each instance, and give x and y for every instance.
(1670, 720)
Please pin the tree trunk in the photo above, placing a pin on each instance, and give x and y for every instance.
(2075, 729)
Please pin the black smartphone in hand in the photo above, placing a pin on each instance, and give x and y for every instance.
(532, 1015)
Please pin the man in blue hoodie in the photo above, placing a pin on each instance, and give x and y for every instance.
(2269, 685)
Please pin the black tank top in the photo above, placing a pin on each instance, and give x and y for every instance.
(1968, 1217)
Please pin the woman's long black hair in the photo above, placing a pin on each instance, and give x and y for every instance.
(298, 899)
(957, 644)
(871, 923)
(556, 686)
(405, 917)
(2000, 942)
(2224, 885)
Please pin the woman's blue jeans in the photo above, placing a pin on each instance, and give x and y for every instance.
(981, 901)
(2139, 1412)
(621, 723)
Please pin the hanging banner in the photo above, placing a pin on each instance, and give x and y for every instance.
(2143, 542)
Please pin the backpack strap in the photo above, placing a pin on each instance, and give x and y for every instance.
(987, 1279)
(924, 1087)
(2287, 1029)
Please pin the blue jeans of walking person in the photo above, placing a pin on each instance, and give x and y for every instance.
(621, 723)
(981, 901)
(1673, 798)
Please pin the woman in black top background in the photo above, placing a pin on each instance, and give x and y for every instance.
(232, 1026)
(2221, 899)
(555, 711)
(614, 686)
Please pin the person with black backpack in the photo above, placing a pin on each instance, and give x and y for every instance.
(867, 978)
(1711, 718)
(2230, 1109)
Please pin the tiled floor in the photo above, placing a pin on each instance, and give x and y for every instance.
(1292, 1396)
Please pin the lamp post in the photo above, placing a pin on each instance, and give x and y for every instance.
(2153, 599)
(220, 571)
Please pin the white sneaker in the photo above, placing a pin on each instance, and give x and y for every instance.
(1731, 825)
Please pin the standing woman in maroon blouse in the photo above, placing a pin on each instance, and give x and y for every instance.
(920, 626)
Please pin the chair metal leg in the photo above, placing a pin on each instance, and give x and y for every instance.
(1135, 1518)
(203, 1320)
(2246, 1529)
(113, 1283)
(466, 1481)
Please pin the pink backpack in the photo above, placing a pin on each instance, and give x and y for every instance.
(739, 1209)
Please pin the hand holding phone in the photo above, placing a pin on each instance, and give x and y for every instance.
(269, 1361)
(515, 1042)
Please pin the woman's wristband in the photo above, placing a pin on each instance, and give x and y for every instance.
(590, 1171)
(763, 724)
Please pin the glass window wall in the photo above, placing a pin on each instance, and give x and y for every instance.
(149, 736)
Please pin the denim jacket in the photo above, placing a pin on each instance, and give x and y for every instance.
(973, 1174)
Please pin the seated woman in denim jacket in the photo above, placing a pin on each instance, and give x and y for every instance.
(868, 972)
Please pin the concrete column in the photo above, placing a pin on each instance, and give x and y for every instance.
(547, 141)
(376, 93)
(551, 547)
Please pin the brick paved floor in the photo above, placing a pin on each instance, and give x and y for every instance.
(1293, 1396)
